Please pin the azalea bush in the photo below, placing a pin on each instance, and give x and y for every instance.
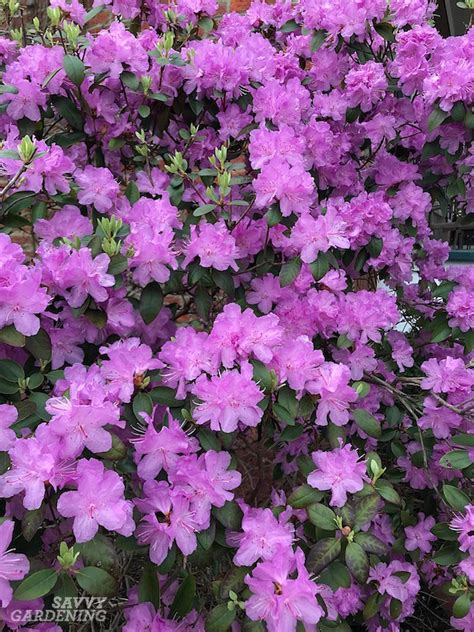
(236, 375)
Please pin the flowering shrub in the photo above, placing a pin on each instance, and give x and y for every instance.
(236, 374)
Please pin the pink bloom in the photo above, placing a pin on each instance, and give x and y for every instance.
(339, 470)
(21, 299)
(214, 245)
(464, 525)
(161, 450)
(460, 307)
(91, 509)
(297, 362)
(420, 536)
(331, 383)
(279, 600)
(88, 276)
(34, 464)
(440, 419)
(312, 236)
(265, 291)
(263, 537)
(13, 566)
(366, 84)
(127, 365)
(447, 376)
(396, 587)
(170, 519)
(228, 399)
(97, 187)
(293, 187)
(186, 357)
(8, 416)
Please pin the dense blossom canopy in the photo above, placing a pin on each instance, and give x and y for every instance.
(236, 374)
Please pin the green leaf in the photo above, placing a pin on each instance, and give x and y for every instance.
(208, 440)
(317, 40)
(10, 336)
(206, 24)
(74, 68)
(7, 89)
(97, 582)
(220, 619)
(68, 110)
(436, 117)
(203, 302)
(158, 96)
(455, 498)
(365, 509)
(357, 562)
(396, 608)
(367, 423)
(36, 585)
(303, 496)
(289, 271)
(372, 606)
(97, 317)
(273, 216)
(130, 80)
(151, 302)
(183, 601)
(458, 112)
(117, 265)
(206, 538)
(385, 30)
(370, 543)
(322, 554)
(319, 267)
(100, 551)
(456, 459)
(164, 396)
(461, 606)
(336, 576)
(8, 388)
(40, 346)
(31, 522)
(144, 111)
(132, 193)
(149, 586)
(387, 491)
(11, 371)
(322, 516)
(443, 532)
(230, 515)
(464, 439)
(448, 555)
(262, 375)
(203, 209)
(375, 247)
(142, 402)
(289, 27)
(224, 280)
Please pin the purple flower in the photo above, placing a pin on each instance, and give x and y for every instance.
(263, 537)
(340, 471)
(214, 245)
(8, 416)
(420, 536)
(97, 187)
(91, 509)
(170, 519)
(228, 399)
(13, 566)
(447, 376)
(464, 525)
(331, 383)
(278, 599)
(127, 365)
